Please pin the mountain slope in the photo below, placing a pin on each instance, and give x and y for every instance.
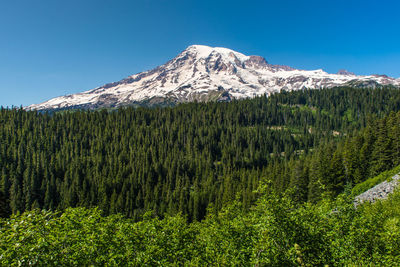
(205, 73)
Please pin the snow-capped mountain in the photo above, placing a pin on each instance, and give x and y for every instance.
(206, 73)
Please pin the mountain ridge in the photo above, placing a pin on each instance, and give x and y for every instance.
(203, 73)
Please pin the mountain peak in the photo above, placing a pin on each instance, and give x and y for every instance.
(206, 50)
(204, 73)
(203, 51)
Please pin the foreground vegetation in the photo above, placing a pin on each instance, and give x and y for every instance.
(276, 232)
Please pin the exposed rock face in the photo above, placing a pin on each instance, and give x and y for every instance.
(256, 62)
(380, 191)
(202, 73)
(345, 72)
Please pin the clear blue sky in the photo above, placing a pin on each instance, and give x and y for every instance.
(50, 48)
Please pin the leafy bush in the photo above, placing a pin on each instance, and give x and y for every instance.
(276, 232)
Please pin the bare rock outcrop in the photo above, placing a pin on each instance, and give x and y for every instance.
(380, 191)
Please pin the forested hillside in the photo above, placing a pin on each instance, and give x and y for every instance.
(333, 165)
(184, 158)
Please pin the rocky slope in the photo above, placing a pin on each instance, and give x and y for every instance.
(380, 191)
(205, 73)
